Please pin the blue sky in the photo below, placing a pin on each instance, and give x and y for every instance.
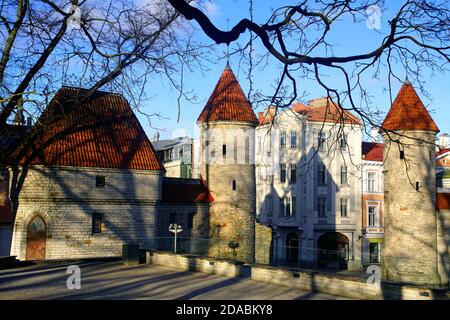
(349, 38)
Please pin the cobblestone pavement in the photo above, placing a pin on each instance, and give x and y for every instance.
(114, 280)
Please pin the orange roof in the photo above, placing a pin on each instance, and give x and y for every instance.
(408, 112)
(101, 132)
(317, 110)
(227, 102)
(185, 191)
(372, 151)
(442, 201)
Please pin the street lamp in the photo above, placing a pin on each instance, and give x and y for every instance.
(175, 229)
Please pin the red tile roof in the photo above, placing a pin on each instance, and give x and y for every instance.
(442, 201)
(325, 110)
(442, 151)
(372, 151)
(317, 110)
(408, 112)
(227, 102)
(101, 132)
(185, 191)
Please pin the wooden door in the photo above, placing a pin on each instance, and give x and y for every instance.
(36, 238)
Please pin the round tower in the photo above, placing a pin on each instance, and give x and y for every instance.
(227, 125)
(410, 247)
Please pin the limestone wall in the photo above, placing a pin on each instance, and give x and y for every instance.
(66, 199)
(409, 253)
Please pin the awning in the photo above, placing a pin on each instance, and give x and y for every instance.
(376, 240)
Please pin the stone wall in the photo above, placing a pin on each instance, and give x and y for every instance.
(66, 199)
(232, 214)
(443, 234)
(195, 263)
(410, 250)
(263, 245)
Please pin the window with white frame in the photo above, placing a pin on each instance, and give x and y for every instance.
(282, 140)
(374, 251)
(288, 206)
(371, 180)
(372, 216)
(344, 207)
(322, 207)
(293, 139)
(321, 175)
(258, 147)
(321, 141)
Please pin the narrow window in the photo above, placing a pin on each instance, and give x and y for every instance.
(343, 142)
(288, 206)
(282, 172)
(344, 208)
(233, 185)
(372, 216)
(344, 176)
(96, 223)
(321, 175)
(224, 150)
(371, 179)
(258, 147)
(100, 181)
(374, 251)
(282, 140)
(281, 206)
(293, 173)
(180, 152)
(294, 206)
(269, 206)
(293, 139)
(402, 155)
(321, 207)
(321, 141)
(417, 186)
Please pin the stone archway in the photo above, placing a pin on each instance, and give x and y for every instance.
(36, 239)
(333, 250)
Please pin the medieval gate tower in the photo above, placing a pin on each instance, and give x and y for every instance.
(227, 125)
(410, 247)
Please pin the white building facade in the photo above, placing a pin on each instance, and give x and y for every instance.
(308, 177)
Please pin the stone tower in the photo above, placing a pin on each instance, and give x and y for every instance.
(227, 125)
(410, 246)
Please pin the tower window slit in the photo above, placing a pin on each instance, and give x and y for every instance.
(402, 154)
(417, 186)
(234, 184)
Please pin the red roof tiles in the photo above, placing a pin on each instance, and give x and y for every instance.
(317, 110)
(227, 102)
(101, 132)
(372, 151)
(325, 110)
(408, 112)
(185, 191)
(442, 201)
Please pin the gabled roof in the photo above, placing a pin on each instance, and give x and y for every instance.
(318, 110)
(442, 152)
(185, 191)
(442, 201)
(227, 102)
(326, 110)
(372, 151)
(101, 132)
(408, 112)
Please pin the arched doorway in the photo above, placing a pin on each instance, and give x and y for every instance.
(333, 250)
(292, 248)
(36, 238)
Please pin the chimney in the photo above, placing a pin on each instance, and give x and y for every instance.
(374, 134)
(156, 136)
(260, 115)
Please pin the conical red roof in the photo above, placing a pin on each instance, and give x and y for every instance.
(408, 112)
(227, 102)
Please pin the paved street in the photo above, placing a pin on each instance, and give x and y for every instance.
(113, 280)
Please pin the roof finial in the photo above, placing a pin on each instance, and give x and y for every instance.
(228, 46)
